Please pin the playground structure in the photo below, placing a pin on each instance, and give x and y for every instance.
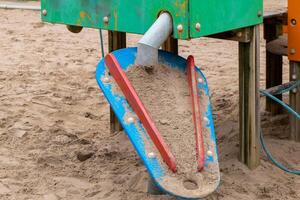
(231, 20)
(281, 32)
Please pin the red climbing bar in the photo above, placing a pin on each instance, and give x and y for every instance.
(120, 77)
(192, 79)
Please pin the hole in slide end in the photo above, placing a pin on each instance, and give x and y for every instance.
(190, 184)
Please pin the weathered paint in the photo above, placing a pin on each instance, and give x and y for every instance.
(294, 30)
(136, 16)
(217, 16)
(141, 140)
(116, 20)
(133, 16)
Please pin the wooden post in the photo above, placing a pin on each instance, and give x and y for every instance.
(249, 99)
(171, 45)
(295, 101)
(116, 40)
(273, 65)
(152, 188)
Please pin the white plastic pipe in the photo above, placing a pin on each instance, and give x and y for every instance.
(19, 6)
(158, 33)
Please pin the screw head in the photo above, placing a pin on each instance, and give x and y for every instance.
(259, 13)
(151, 155)
(180, 28)
(206, 119)
(44, 12)
(239, 34)
(293, 51)
(130, 120)
(294, 77)
(105, 79)
(294, 90)
(105, 19)
(209, 153)
(200, 80)
(293, 22)
(198, 26)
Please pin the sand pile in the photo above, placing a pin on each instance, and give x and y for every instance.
(165, 94)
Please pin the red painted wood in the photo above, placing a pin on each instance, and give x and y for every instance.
(120, 77)
(192, 79)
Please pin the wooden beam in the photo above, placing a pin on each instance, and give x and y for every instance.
(278, 17)
(152, 188)
(278, 88)
(295, 101)
(239, 35)
(116, 40)
(249, 99)
(171, 45)
(272, 30)
(278, 46)
(273, 78)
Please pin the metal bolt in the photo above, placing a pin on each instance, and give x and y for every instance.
(239, 34)
(294, 77)
(44, 12)
(151, 155)
(105, 19)
(209, 153)
(198, 26)
(206, 119)
(130, 120)
(294, 90)
(180, 28)
(200, 80)
(259, 13)
(293, 51)
(293, 22)
(106, 79)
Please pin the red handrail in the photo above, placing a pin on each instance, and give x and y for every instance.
(131, 96)
(192, 79)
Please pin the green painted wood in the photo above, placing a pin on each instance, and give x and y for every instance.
(217, 16)
(136, 16)
(133, 16)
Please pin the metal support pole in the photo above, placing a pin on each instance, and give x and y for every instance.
(249, 99)
(116, 40)
(295, 101)
(158, 33)
(273, 65)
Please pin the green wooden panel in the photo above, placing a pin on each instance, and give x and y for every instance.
(136, 16)
(217, 16)
(133, 16)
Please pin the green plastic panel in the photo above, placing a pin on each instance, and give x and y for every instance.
(136, 16)
(133, 16)
(217, 16)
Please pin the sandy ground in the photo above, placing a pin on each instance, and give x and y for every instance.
(54, 121)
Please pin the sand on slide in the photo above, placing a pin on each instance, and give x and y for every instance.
(52, 114)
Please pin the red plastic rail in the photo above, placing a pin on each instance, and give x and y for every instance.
(120, 77)
(192, 79)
